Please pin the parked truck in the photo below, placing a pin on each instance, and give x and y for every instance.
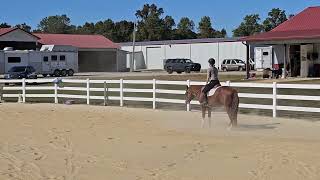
(53, 60)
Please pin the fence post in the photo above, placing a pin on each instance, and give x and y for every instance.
(274, 98)
(121, 92)
(188, 105)
(88, 91)
(154, 94)
(1, 93)
(23, 90)
(56, 91)
(105, 93)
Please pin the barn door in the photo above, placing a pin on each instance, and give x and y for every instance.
(154, 58)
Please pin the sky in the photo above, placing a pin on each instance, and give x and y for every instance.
(226, 14)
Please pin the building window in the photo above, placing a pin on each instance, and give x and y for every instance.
(14, 59)
(62, 58)
(265, 53)
(54, 58)
(45, 59)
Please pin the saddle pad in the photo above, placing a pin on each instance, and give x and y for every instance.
(213, 90)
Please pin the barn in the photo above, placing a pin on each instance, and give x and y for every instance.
(151, 54)
(17, 39)
(298, 40)
(95, 52)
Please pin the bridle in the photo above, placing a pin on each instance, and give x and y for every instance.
(192, 94)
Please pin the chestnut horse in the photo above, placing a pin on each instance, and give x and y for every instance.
(224, 96)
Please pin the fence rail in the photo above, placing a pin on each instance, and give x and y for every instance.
(87, 90)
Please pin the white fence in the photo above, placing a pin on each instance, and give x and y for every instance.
(154, 91)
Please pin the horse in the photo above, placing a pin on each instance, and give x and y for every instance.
(224, 96)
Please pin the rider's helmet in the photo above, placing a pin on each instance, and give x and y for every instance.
(212, 61)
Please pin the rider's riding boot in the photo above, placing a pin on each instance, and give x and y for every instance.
(203, 99)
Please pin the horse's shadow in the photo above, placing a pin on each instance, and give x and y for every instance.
(257, 126)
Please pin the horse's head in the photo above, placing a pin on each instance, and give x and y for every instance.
(189, 95)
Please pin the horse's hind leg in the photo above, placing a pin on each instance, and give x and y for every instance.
(230, 115)
(209, 115)
(203, 109)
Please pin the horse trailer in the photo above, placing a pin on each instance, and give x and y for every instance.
(50, 60)
(269, 57)
(263, 57)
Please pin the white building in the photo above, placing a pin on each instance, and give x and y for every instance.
(150, 55)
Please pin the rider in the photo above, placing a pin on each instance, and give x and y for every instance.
(212, 80)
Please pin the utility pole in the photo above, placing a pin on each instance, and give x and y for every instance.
(248, 67)
(133, 46)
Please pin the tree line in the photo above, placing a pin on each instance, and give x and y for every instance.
(152, 25)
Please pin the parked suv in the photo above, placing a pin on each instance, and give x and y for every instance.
(233, 64)
(181, 65)
(20, 72)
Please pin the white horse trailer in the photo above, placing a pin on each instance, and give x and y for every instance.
(263, 57)
(50, 60)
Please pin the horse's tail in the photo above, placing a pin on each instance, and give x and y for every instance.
(234, 108)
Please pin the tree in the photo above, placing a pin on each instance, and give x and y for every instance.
(205, 28)
(223, 33)
(291, 16)
(24, 26)
(72, 29)
(169, 24)
(123, 31)
(249, 26)
(87, 28)
(276, 17)
(185, 29)
(4, 25)
(105, 28)
(207, 31)
(55, 24)
(220, 34)
(150, 24)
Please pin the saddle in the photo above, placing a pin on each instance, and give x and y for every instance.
(213, 90)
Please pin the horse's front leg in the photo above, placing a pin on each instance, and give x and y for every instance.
(230, 126)
(203, 109)
(209, 116)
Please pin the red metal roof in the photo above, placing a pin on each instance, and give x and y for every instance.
(305, 25)
(80, 41)
(5, 30)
